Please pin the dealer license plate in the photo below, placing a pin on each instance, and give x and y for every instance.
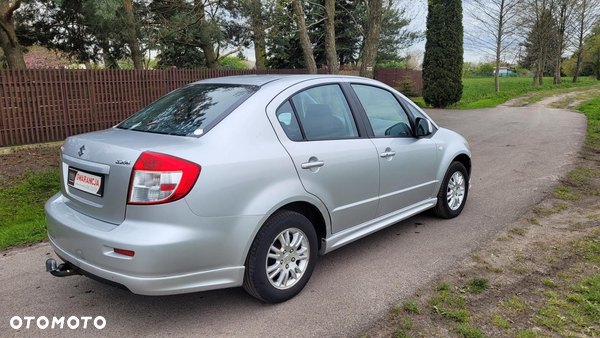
(81, 180)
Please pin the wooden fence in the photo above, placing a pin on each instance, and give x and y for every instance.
(397, 77)
(43, 105)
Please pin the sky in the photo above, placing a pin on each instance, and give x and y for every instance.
(417, 9)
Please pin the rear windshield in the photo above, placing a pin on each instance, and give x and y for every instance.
(190, 110)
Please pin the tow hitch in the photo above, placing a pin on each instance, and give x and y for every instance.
(62, 270)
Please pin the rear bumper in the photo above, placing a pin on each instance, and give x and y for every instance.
(176, 251)
(193, 282)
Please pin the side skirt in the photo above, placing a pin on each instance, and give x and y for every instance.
(357, 232)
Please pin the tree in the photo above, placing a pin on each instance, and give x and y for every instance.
(307, 49)
(586, 15)
(541, 41)
(184, 27)
(395, 35)
(257, 21)
(232, 62)
(485, 69)
(541, 47)
(132, 36)
(493, 32)
(443, 60)
(592, 46)
(348, 31)
(371, 37)
(283, 43)
(563, 22)
(87, 31)
(13, 52)
(330, 50)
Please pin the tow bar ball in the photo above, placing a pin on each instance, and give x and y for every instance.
(62, 270)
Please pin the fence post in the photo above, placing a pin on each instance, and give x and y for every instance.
(63, 89)
(174, 78)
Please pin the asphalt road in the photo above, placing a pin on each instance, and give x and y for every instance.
(518, 155)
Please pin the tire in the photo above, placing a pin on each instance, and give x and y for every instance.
(279, 288)
(449, 209)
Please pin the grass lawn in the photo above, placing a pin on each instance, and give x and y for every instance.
(478, 92)
(22, 207)
(592, 110)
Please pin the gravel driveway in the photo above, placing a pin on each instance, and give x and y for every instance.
(518, 155)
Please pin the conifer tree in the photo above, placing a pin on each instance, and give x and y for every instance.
(443, 60)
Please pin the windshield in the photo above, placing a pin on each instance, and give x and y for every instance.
(188, 110)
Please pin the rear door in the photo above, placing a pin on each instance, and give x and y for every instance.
(334, 159)
(407, 164)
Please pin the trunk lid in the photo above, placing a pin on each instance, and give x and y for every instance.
(107, 156)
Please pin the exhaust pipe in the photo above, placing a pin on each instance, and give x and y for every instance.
(62, 270)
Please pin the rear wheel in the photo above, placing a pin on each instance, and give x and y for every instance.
(453, 192)
(282, 257)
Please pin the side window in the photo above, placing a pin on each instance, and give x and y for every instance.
(416, 112)
(288, 121)
(385, 113)
(324, 113)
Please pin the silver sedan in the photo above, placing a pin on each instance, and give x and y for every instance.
(245, 180)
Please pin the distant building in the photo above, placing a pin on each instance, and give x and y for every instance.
(505, 72)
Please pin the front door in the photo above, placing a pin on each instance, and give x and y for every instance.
(407, 165)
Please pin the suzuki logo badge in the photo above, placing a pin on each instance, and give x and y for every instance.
(81, 150)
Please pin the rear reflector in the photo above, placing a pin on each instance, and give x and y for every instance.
(125, 252)
(159, 178)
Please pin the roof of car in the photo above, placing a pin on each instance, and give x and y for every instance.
(260, 80)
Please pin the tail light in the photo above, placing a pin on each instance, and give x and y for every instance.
(159, 178)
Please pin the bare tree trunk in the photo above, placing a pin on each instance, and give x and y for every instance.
(563, 17)
(307, 49)
(330, 51)
(260, 50)
(543, 23)
(535, 76)
(581, 36)
(8, 39)
(132, 38)
(499, 48)
(371, 39)
(258, 30)
(578, 65)
(205, 43)
(542, 64)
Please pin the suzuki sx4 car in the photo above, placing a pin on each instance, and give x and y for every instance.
(245, 180)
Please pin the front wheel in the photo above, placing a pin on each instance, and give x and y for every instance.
(282, 257)
(453, 192)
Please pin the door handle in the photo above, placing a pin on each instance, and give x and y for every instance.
(312, 164)
(388, 153)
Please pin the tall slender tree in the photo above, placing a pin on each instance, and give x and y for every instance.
(443, 60)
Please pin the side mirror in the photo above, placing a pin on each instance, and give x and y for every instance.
(424, 127)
